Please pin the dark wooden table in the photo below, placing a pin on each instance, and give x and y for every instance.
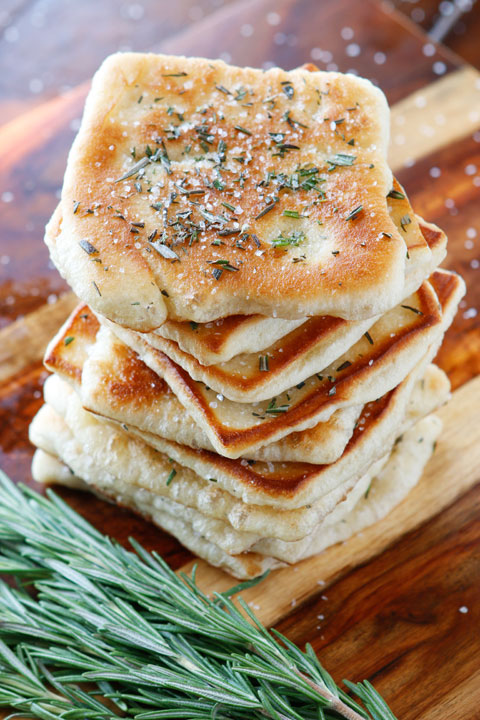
(396, 620)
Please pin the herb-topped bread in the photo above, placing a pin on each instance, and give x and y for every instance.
(196, 190)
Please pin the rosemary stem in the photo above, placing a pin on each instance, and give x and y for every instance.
(335, 702)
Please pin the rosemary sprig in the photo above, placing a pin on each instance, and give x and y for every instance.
(107, 622)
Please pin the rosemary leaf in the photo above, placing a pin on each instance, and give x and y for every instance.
(103, 621)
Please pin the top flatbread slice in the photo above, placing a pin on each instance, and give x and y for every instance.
(284, 172)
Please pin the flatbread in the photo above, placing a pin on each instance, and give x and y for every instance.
(215, 486)
(401, 472)
(368, 370)
(221, 340)
(271, 145)
(48, 469)
(115, 383)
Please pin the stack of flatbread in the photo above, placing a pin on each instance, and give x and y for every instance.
(250, 364)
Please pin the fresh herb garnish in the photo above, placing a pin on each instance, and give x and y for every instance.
(69, 340)
(274, 409)
(88, 247)
(103, 621)
(354, 213)
(341, 160)
(165, 251)
(263, 363)
(396, 195)
(412, 309)
(224, 264)
(171, 475)
(293, 240)
(242, 130)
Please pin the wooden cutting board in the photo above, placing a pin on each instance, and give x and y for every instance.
(435, 152)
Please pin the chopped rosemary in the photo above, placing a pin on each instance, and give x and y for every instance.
(263, 363)
(369, 337)
(69, 340)
(134, 169)
(412, 309)
(242, 130)
(293, 240)
(354, 213)
(171, 475)
(344, 366)
(266, 210)
(396, 195)
(76, 205)
(88, 247)
(291, 213)
(193, 325)
(165, 251)
(341, 160)
(224, 264)
(404, 221)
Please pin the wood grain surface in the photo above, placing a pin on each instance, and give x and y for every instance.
(396, 619)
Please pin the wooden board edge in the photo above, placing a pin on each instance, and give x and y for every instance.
(436, 116)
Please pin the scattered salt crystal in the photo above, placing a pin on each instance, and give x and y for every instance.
(463, 609)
